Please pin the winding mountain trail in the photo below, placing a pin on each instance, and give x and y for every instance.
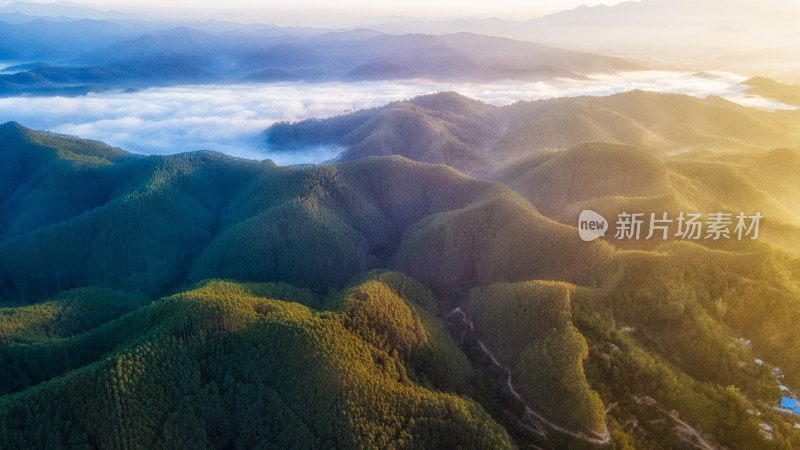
(530, 413)
(701, 443)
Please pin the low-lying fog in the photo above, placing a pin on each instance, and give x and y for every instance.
(229, 118)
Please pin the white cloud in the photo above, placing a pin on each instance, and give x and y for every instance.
(229, 118)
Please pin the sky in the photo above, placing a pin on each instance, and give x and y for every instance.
(316, 10)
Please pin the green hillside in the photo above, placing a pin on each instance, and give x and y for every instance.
(226, 365)
(35, 168)
(176, 219)
(69, 313)
(499, 239)
(529, 327)
(698, 331)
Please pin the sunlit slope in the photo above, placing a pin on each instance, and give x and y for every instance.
(765, 87)
(444, 128)
(452, 129)
(767, 178)
(226, 365)
(703, 329)
(723, 293)
(659, 123)
(69, 313)
(555, 181)
(614, 178)
(631, 152)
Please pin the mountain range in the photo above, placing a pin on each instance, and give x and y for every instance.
(73, 57)
(738, 36)
(671, 152)
(407, 295)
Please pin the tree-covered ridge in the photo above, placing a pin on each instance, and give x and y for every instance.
(630, 152)
(613, 178)
(223, 366)
(443, 128)
(139, 238)
(699, 331)
(447, 248)
(153, 224)
(766, 87)
(696, 298)
(471, 136)
(529, 328)
(69, 313)
(35, 167)
(393, 312)
(555, 182)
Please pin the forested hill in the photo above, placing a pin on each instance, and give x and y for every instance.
(384, 302)
(635, 151)
(469, 135)
(101, 217)
(766, 87)
(227, 365)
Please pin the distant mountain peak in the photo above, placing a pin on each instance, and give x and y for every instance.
(10, 130)
(59, 146)
(450, 101)
(61, 9)
(11, 125)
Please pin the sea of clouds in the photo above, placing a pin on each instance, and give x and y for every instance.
(229, 118)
